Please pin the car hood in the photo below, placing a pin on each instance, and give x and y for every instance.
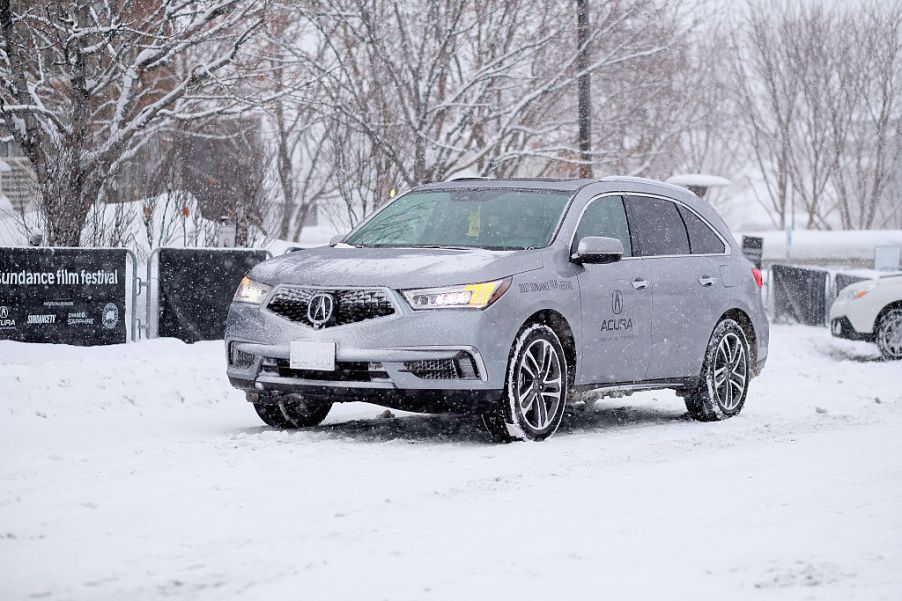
(394, 267)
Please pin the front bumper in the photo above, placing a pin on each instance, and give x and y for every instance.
(852, 320)
(441, 360)
(841, 327)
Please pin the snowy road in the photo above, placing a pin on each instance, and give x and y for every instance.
(135, 472)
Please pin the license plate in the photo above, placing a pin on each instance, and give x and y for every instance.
(314, 356)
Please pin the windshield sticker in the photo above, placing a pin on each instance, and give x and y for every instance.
(545, 286)
(475, 219)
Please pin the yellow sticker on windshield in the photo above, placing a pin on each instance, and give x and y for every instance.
(473, 231)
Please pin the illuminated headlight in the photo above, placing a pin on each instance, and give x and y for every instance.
(467, 296)
(251, 292)
(856, 291)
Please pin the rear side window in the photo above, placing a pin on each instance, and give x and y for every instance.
(702, 239)
(656, 226)
(606, 217)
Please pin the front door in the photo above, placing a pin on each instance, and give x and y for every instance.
(615, 303)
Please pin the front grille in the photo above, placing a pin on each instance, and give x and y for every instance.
(350, 305)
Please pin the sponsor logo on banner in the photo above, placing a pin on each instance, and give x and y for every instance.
(110, 316)
(79, 318)
(41, 320)
(5, 320)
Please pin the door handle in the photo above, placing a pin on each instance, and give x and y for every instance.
(707, 281)
(640, 284)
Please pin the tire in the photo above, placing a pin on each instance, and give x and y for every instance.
(536, 388)
(889, 335)
(716, 397)
(292, 412)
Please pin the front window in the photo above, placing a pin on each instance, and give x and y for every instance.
(490, 218)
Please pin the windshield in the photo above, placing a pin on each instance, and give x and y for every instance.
(494, 218)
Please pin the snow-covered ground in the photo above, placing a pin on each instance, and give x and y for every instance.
(135, 472)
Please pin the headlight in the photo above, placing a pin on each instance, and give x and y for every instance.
(856, 291)
(467, 296)
(250, 291)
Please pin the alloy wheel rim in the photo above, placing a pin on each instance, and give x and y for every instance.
(539, 384)
(891, 334)
(730, 371)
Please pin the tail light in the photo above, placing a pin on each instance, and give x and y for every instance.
(759, 279)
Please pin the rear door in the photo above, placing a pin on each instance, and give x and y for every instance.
(706, 279)
(683, 287)
(615, 302)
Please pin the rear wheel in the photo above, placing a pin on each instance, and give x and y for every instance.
(889, 335)
(536, 390)
(291, 411)
(724, 382)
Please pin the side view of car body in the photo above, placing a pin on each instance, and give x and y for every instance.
(506, 298)
(872, 311)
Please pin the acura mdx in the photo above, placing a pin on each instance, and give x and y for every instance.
(508, 299)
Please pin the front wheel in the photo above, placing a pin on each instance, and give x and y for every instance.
(536, 388)
(889, 335)
(291, 412)
(724, 382)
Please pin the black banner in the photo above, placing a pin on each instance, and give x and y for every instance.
(800, 295)
(753, 249)
(841, 280)
(63, 295)
(196, 287)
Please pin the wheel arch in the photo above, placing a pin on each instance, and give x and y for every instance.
(745, 322)
(889, 307)
(561, 327)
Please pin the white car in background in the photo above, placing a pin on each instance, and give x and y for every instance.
(871, 310)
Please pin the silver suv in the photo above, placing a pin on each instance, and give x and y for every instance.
(509, 299)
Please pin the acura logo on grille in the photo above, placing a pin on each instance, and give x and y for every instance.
(320, 308)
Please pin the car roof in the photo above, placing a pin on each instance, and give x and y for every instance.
(623, 182)
(537, 183)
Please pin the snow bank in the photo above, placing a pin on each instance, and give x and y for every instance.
(826, 247)
(135, 472)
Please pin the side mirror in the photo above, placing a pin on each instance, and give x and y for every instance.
(337, 239)
(597, 249)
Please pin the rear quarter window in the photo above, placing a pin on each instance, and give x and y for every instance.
(702, 239)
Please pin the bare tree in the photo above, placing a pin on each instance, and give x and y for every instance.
(459, 83)
(819, 92)
(85, 83)
(768, 94)
(871, 155)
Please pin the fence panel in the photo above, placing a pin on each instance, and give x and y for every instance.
(800, 295)
(63, 295)
(196, 287)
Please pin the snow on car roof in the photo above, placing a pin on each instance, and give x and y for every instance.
(700, 180)
(546, 183)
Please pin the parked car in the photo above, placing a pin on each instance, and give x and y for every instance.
(872, 311)
(505, 298)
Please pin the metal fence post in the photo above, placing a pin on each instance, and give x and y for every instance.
(137, 288)
(148, 308)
